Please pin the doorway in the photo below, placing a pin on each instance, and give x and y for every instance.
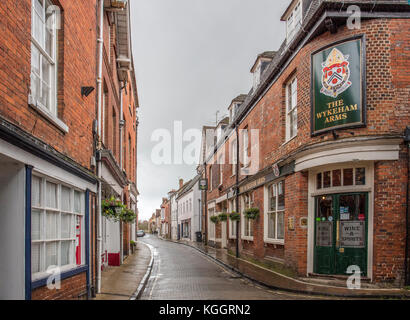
(341, 222)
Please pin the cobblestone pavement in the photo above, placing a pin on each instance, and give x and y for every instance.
(183, 273)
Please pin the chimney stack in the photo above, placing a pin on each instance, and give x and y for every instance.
(181, 183)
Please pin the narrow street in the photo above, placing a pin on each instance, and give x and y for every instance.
(183, 273)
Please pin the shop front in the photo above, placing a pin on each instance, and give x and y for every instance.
(341, 201)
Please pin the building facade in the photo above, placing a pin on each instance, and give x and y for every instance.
(322, 150)
(50, 147)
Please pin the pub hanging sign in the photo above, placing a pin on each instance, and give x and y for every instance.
(338, 93)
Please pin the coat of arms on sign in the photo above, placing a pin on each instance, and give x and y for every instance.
(335, 74)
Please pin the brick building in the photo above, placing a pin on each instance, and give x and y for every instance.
(322, 149)
(49, 142)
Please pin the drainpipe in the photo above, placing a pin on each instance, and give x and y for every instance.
(99, 93)
(205, 204)
(406, 257)
(121, 127)
(237, 188)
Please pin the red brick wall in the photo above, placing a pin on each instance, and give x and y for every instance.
(390, 182)
(78, 46)
(71, 289)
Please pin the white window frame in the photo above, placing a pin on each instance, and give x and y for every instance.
(221, 169)
(249, 221)
(268, 211)
(291, 109)
(245, 147)
(44, 211)
(46, 25)
(232, 224)
(294, 22)
(234, 157)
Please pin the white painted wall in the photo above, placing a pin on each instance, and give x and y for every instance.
(194, 214)
(12, 235)
(174, 216)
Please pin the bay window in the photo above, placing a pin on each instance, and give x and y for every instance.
(57, 224)
(44, 56)
(274, 216)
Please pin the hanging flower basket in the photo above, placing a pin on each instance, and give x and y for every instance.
(214, 219)
(128, 216)
(251, 213)
(112, 209)
(223, 216)
(234, 216)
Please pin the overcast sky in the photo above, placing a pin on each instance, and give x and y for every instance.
(192, 57)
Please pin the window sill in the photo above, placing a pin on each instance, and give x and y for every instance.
(49, 116)
(247, 238)
(289, 140)
(274, 241)
(40, 279)
(232, 237)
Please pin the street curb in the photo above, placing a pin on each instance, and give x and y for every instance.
(143, 283)
(369, 296)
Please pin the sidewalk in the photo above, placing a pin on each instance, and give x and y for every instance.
(120, 283)
(275, 280)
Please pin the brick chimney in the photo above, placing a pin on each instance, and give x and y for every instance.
(181, 183)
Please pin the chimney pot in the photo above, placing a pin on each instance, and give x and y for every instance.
(181, 183)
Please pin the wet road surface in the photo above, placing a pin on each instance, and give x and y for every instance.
(182, 273)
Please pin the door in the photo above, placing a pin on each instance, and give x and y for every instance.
(341, 222)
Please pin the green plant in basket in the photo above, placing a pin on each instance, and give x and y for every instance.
(251, 213)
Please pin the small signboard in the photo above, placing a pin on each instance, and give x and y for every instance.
(324, 233)
(352, 234)
(203, 184)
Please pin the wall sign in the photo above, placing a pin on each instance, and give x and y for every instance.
(203, 184)
(338, 93)
(352, 234)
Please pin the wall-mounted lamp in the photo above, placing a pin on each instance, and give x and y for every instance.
(85, 91)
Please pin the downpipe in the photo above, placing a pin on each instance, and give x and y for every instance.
(99, 147)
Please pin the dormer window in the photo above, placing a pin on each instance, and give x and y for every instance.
(257, 76)
(294, 22)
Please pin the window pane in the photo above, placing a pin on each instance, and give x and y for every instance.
(65, 252)
(35, 257)
(360, 178)
(66, 226)
(51, 254)
(281, 195)
(326, 179)
(281, 227)
(46, 69)
(78, 202)
(51, 195)
(35, 60)
(294, 86)
(45, 95)
(49, 36)
(36, 192)
(38, 28)
(65, 199)
(272, 197)
(348, 177)
(271, 225)
(319, 181)
(250, 227)
(35, 225)
(51, 225)
(336, 178)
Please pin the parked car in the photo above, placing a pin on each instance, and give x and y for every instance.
(140, 233)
